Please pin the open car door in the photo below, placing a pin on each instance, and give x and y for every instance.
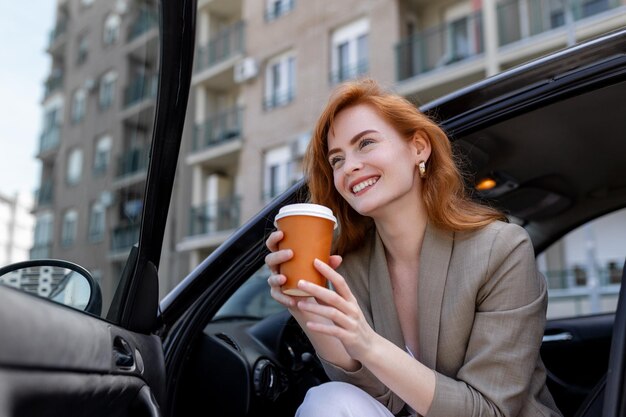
(58, 361)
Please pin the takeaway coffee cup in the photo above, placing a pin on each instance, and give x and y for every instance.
(308, 232)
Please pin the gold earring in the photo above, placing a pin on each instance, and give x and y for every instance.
(422, 168)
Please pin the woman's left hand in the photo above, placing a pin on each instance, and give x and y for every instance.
(348, 323)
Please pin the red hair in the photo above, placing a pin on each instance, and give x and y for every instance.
(447, 203)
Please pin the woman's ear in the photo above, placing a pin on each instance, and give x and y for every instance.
(421, 142)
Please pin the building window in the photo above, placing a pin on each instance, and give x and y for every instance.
(74, 166)
(280, 80)
(68, 228)
(83, 50)
(43, 230)
(276, 8)
(96, 222)
(107, 90)
(79, 105)
(349, 51)
(102, 155)
(111, 29)
(277, 171)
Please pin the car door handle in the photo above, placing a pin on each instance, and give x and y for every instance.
(558, 337)
(123, 355)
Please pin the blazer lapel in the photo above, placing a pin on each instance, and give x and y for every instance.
(433, 271)
(384, 315)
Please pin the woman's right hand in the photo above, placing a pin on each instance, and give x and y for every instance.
(273, 261)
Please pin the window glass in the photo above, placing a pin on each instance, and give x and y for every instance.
(83, 49)
(107, 90)
(96, 222)
(74, 166)
(280, 81)
(111, 29)
(349, 51)
(79, 105)
(68, 228)
(276, 8)
(584, 268)
(276, 171)
(102, 155)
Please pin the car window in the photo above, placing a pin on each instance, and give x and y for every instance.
(252, 299)
(79, 94)
(584, 268)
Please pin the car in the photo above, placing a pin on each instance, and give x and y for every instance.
(548, 134)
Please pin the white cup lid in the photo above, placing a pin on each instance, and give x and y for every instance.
(306, 209)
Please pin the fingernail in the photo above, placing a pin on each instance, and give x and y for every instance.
(302, 283)
(317, 262)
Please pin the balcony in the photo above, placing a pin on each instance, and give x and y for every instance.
(216, 217)
(440, 46)
(54, 83)
(55, 34)
(225, 44)
(222, 128)
(45, 194)
(141, 88)
(521, 19)
(124, 237)
(133, 162)
(146, 20)
(49, 139)
(349, 72)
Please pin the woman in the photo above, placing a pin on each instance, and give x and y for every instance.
(437, 307)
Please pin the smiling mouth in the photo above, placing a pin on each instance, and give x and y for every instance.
(364, 184)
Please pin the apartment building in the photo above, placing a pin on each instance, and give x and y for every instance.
(16, 227)
(98, 110)
(263, 70)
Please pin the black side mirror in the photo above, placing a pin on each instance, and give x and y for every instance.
(61, 281)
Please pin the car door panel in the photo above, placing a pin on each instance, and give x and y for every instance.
(57, 361)
(575, 352)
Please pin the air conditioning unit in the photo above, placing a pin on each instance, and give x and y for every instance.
(246, 69)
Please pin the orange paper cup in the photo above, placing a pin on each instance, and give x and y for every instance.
(308, 232)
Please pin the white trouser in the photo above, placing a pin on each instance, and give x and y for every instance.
(340, 399)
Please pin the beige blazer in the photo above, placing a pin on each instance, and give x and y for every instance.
(481, 303)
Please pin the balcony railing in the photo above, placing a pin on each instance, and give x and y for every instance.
(223, 45)
(520, 19)
(221, 128)
(440, 46)
(141, 88)
(146, 20)
(59, 29)
(349, 72)
(216, 217)
(133, 161)
(44, 195)
(53, 83)
(577, 278)
(124, 237)
(278, 98)
(50, 138)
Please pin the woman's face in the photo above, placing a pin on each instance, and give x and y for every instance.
(374, 167)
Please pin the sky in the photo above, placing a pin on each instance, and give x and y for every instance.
(24, 29)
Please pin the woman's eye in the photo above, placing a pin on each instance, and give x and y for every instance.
(334, 161)
(365, 142)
